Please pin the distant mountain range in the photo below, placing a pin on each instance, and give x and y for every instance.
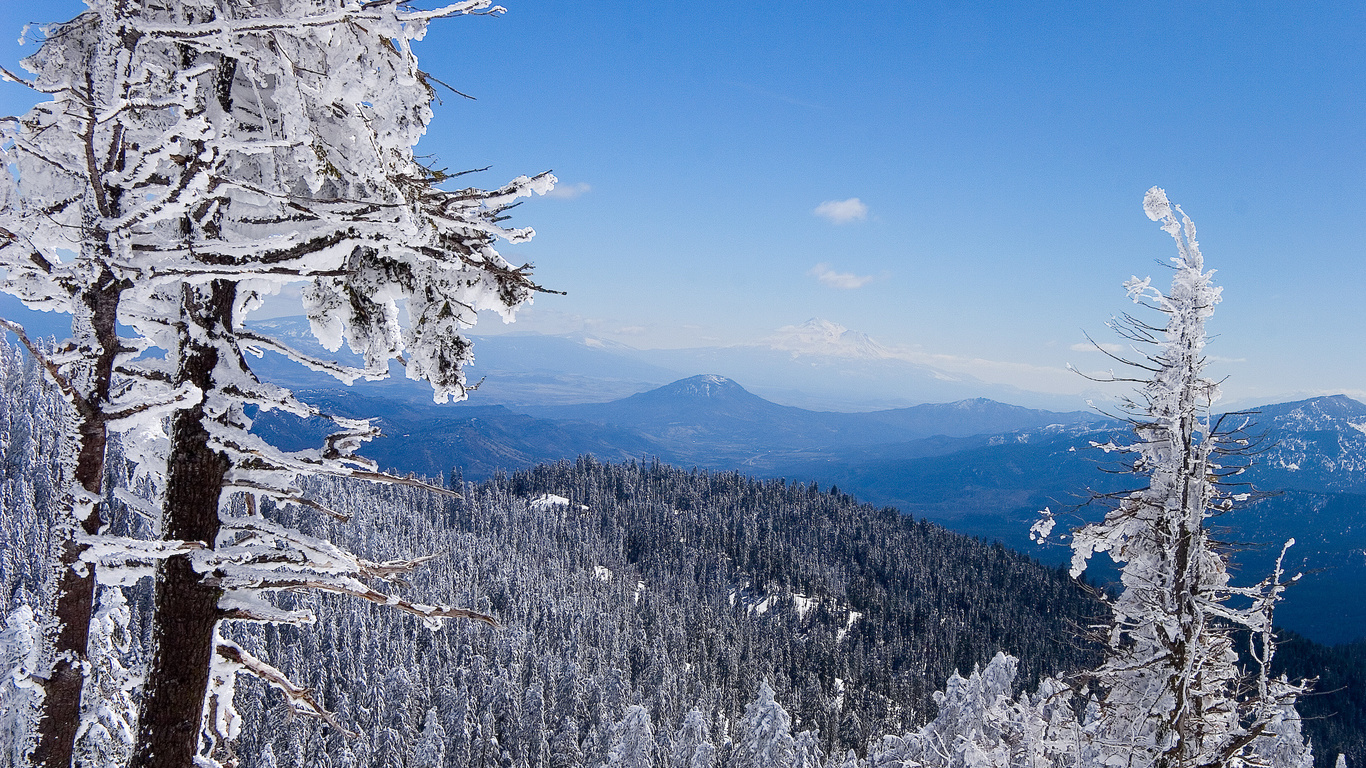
(818, 365)
(705, 420)
(978, 466)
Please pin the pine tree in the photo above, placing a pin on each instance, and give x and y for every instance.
(207, 153)
(765, 735)
(691, 746)
(20, 693)
(1174, 696)
(430, 749)
(564, 746)
(810, 754)
(633, 740)
(106, 734)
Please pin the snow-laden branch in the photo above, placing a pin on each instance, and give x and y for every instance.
(377, 10)
(301, 701)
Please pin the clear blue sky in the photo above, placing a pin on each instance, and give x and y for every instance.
(1001, 150)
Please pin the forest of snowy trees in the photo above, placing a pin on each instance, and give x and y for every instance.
(680, 593)
(672, 590)
(182, 591)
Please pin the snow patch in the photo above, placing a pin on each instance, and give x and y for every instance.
(853, 617)
(548, 501)
(601, 573)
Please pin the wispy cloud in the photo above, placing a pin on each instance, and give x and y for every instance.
(570, 191)
(1086, 346)
(846, 281)
(842, 211)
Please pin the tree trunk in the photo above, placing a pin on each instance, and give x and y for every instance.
(186, 608)
(74, 602)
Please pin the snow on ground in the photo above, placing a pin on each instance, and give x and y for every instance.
(853, 617)
(547, 501)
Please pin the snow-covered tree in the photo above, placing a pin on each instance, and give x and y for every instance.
(1174, 695)
(765, 735)
(980, 725)
(849, 760)
(1170, 692)
(691, 746)
(20, 692)
(196, 156)
(430, 749)
(565, 751)
(810, 754)
(105, 737)
(633, 740)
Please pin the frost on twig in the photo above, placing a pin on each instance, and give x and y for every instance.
(232, 659)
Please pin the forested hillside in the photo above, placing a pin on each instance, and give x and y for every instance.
(630, 595)
(673, 590)
(976, 467)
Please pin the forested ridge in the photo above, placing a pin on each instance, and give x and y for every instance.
(617, 585)
(650, 585)
(669, 589)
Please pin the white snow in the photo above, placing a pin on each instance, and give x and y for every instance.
(548, 501)
(848, 625)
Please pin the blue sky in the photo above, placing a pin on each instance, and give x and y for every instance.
(999, 154)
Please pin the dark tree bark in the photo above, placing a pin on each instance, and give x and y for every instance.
(75, 599)
(186, 607)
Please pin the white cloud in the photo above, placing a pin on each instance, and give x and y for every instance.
(842, 211)
(843, 280)
(570, 191)
(1086, 346)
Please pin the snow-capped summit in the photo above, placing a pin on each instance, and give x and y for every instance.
(707, 385)
(822, 337)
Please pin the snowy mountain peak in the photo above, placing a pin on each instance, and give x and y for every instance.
(707, 385)
(822, 337)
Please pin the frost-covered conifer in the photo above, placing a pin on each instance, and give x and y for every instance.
(849, 760)
(633, 740)
(692, 747)
(430, 749)
(207, 154)
(105, 737)
(981, 725)
(564, 746)
(20, 693)
(1170, 693)
(765, 735)
(809, 751)
(1174, 696)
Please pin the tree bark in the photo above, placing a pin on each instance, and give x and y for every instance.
(75, 600)
(186, 609)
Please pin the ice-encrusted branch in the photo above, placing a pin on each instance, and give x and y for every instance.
(301, 701)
